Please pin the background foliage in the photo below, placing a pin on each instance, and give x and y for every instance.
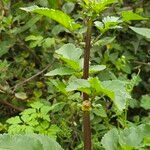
(39, 72)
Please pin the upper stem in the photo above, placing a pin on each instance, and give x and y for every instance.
(86, 114)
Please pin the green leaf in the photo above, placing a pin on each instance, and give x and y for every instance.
(28, 25)
(78, 84)
(45, 109)
(28, 142)
(18, 142)
(97, 85)
(21, 95)
(57, 107)
(142, 31)
(105, 41)
(5, 46)
(110, 140)
(14, 120)
(59, 85)
(127, 139)
(60, 71)
(99, 6)
(28, 111)
(53, 130)
(55, 15)
(35, 40)
(99, 111)
(130, 138)
(68, 7)
(26, 118)
(86, 2)
(69, 51)
(48, 42)
(4, 65)
(71, 55)
(145, 102)
(144, 130)
(74, 64)
(58, 29)
(96, 68)
(120, 94)
(53, 3)
(37, 105)
(109, 22)
(129, 15)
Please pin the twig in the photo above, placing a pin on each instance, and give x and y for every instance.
(12, 106)
(29, 79)
(96, 39)
(142, 63)
(2, 89)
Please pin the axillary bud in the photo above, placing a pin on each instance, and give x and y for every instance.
(86, 105)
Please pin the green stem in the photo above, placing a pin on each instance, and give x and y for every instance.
(86, 113)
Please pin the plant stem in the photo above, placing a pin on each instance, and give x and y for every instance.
(86, 114)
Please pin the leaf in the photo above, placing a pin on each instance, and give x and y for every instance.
(26, 118)
(142, 31)
(97, 85)
(71, 55)
(129, 15)
(127, 139)
(68, 7)
(145, 102)
(28, 25)
(45, 109)
(99, 25)
(55, 15)
(42, 3)
(14, 120)
(120, 94)
(57, 107)
(3, 66)
(78, 84)
(37, 105)
(28, 111)
(99, 6)
(86, 2)
(21, 95)
(99, 111)
(53, 130)
(69, 51)
(28, 142)
(5, 46)
(58, 29)
(60, 71)
(53, 3)
(110, 140)
(144, 130)
(47, 142)
(18, 142)
(48, 42)
(130, 138)
(59, 85)
(35, 40)
(96, 68)
(74, 64)
(105, 41)
(109, 22)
